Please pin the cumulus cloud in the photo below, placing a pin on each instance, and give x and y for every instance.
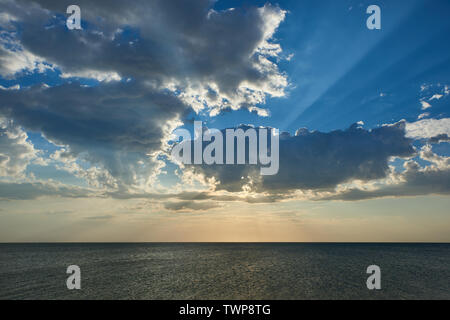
(214, 59)
(117, 126)
(156, 62)
(15, 59)
(317, 160)
(95, 175)
(428, 128)
(16, 151)
(413, 181)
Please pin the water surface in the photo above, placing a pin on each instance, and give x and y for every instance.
(224, 271)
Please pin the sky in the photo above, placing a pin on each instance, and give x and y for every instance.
(87, 120)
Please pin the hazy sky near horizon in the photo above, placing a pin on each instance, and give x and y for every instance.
(86, 120)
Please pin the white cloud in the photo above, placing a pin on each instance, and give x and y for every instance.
(14, 58)
(436, 96)
(428, 128)
(93, 74)
(425, 105)
(16, 152)
(14, 87)
(413, 181)
(423, 115)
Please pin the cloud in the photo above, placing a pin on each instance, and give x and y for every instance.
(95, 176)
(104, 217)
(197, 200)
(423, 115)
(34, 190)
(117, 126)
(317, 160)
(413, 181)
(99, 76)
(15, 59)
(190, 205)
(428, 128)
(217, 59)
(443, 137)
(156, 61)
(436, 96)
(16, 151)
(425, 105)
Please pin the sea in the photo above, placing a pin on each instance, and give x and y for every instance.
(209, 271)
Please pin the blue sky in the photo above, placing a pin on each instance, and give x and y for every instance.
(86, 115)
(340, 68)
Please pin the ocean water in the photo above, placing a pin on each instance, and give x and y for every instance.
(224, 271)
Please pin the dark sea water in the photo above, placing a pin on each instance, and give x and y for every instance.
(224, 271)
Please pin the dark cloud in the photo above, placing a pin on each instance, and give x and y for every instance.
(317, 160)
(178, 43)
(203, 198)
(439, 138)
(190, 205)
(416, 182)
(171, 56)
(115, 125)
